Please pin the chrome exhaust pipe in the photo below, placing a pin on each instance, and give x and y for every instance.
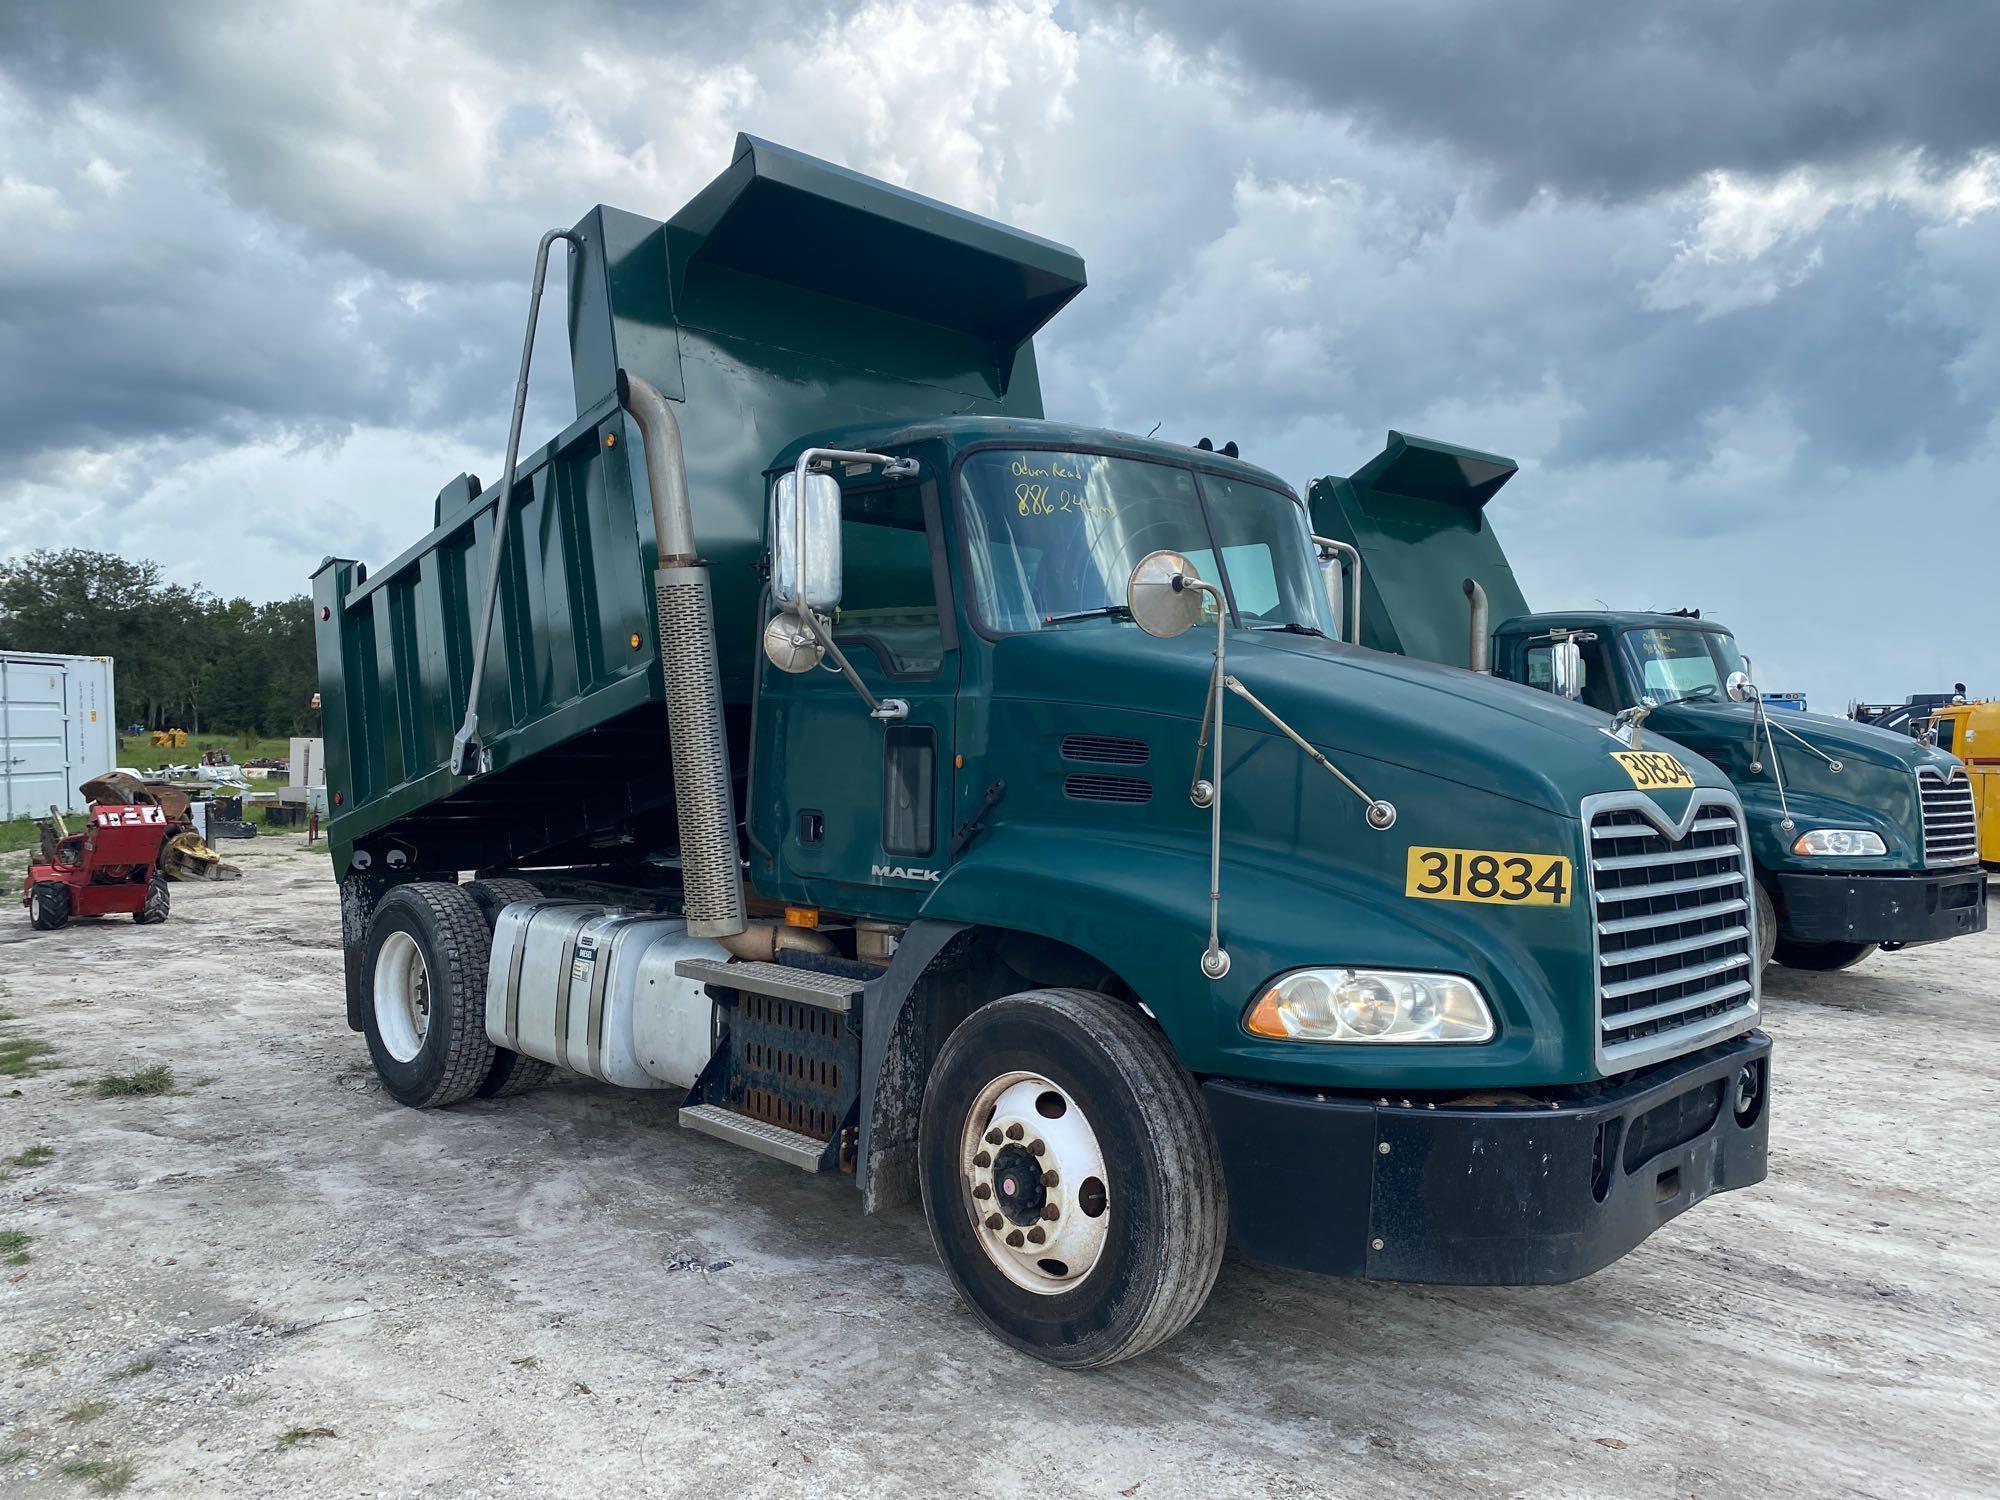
(711, 870)
(1479, 645)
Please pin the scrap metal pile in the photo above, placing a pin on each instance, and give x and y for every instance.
(185, 855)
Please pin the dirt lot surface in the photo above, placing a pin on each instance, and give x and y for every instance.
(273, 1281)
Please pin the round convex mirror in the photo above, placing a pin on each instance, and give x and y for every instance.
(1739, 687)
(789, 646)
(1158, 595)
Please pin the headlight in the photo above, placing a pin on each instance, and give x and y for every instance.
(1371, 1005)
(1853, 843)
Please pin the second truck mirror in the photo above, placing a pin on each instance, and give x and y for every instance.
(811, 552)
(1566, 669)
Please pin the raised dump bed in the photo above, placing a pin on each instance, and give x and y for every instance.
(788, 296)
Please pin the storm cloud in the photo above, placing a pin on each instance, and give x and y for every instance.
(1722, 279)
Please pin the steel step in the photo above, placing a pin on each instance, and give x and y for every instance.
(782, 981)
(775, 1141)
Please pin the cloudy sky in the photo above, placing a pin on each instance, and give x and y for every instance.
(1724, 278)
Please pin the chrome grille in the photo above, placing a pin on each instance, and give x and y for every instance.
(1675, 927)
(1951, 833)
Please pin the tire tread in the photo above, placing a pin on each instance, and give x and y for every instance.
(1193, 1201)
(467, 942)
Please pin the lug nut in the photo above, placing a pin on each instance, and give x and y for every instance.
(1015, 1132)
(1015, 1239)
(993, 1137)
(983, 1190)
(1036, 1236)
(1050, 1211)
(1050, 1179)
(983, 1159)
(994, 1221)
(1038, 1147)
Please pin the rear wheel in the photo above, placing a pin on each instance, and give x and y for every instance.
(512, 1072)
(158, 903)
(1072, 1184)
(48, 905)
(1822, 957)
(423, 985)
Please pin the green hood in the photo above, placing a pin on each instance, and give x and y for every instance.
(1355, 704)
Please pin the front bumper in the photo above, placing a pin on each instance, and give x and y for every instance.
(1904, 909)
(1512, 1193)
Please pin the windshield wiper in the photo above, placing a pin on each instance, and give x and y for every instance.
(1293, 627)
(1102, 612)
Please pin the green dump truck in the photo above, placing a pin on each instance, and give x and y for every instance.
(1862, 838)
(983, 810)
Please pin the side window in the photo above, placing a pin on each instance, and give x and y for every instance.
(1600, 688)
(889, 602)
(1599, 691)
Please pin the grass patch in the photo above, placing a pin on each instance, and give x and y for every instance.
(14, 1252)
(109, 1475)
(291, 1437)
(138, 1367)
(32, 1156)
(140, 753)
(18, 833)
(148, 1081)
(35, 1359)
(86, 1411)
(25, 1056)
(12, 1456)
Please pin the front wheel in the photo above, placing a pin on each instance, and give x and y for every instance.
(1767, 927)
(1072, 1184)
(1822, 958)
(158, 903)
(48, 905)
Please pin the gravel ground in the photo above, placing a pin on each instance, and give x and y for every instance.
(272, 1280)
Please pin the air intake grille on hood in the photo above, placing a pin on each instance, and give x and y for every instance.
(1107, 789)
(1105, 749)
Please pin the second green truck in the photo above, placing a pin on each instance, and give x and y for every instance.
(1863, 839)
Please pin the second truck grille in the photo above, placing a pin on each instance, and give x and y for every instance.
(1951, 834)
(1675, 927)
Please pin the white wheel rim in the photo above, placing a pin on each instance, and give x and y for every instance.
(402, 997)
(1042, 1215)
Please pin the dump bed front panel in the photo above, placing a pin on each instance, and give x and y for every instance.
(1417, 512)
(787, 297)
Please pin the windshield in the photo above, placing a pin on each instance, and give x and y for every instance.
(1681, 665)
(1052, 537)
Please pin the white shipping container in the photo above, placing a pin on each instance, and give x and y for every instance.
(58, 728)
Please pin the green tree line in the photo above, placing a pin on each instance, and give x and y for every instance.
(184, 658)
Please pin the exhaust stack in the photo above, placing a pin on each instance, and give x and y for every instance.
(1479, 644)
(711, 873)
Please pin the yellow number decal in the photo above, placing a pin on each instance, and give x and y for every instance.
(1492, 875)
(1653, 770)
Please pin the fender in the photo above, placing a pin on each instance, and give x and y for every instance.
(1140, 909)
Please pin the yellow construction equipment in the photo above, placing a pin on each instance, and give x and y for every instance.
(1971, 731)
(170, 739)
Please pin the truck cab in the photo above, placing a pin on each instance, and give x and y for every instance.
(1863, 838)
(1092, 885)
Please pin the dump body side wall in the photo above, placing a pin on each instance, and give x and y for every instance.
(727, 311)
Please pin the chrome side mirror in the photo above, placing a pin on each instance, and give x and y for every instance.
(1164, 594)
(1566, 670)
(1739, 687)
(805, 543)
